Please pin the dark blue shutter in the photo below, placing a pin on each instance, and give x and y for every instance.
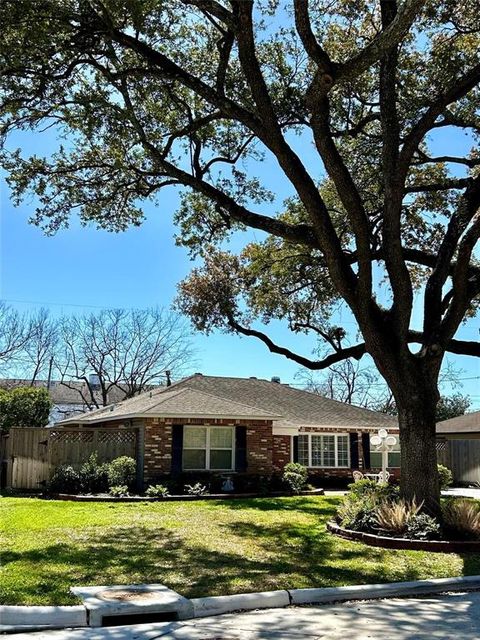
(354, 450)
(240, 448)
(177, 448)
(366, 450)
(295, 448)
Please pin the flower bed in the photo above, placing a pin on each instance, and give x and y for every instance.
(387, 542)
(377, 515)
(175, 498)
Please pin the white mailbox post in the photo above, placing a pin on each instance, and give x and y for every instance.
(383, 443)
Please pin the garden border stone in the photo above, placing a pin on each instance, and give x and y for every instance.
(386, 542)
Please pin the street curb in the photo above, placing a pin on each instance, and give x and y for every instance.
(63, 616)
(377, 591)
(21, 618)
(216, 605)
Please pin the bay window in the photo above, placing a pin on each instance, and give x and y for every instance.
(208, 448)
(324, 450)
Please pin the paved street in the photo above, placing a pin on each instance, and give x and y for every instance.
(453, 616)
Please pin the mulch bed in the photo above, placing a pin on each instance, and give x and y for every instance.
(441, 546)
(209, 496)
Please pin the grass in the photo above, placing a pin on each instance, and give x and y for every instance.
(200, 548)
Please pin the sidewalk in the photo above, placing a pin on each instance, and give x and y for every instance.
(434, 618)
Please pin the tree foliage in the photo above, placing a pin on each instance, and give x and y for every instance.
(24, 407)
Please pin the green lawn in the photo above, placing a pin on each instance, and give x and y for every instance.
(199, 548)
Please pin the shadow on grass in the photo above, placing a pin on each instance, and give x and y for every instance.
(246, 555)
(321, 506)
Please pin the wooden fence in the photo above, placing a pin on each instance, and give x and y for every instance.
(30, 455)
(462, 457)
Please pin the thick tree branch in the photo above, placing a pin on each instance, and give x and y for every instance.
(457, 89)
(388, 39)
(444, 185)
(393, 194)
(462, 347)
(349, 352)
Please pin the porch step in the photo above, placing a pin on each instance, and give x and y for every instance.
(132, 604)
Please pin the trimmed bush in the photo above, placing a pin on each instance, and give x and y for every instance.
(122, 471)
(65, 479)
(295, 476)
(94, 475)
(445, 476)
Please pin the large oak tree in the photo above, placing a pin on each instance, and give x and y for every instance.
(196, 93)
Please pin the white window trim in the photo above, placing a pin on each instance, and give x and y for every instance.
(336, 436)
(206, 448)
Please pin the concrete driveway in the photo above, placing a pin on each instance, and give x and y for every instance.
(445, 617)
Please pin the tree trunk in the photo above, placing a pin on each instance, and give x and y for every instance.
(419, 475)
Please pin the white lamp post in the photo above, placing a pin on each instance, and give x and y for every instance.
(383, 443)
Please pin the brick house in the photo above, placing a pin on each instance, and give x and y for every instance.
(224, 425)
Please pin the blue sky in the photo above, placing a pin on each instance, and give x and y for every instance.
(83, 269)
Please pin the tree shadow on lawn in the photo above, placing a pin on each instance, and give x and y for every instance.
(315, 505)
(282, 556)
(288, 558)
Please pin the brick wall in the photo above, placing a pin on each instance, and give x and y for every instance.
(260, 449)
(158, 449)
(281, 452)
(158, 444)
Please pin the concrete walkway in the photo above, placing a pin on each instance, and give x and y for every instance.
(434, 618)
(460, 492)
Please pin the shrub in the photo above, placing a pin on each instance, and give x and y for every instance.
(378, 491)
(157, 491)
(357, 514)
(445, 476)
(24, 407)
(421, 526)
(197, 489)
(295, 476)
(120, 491)
(394, 517)
(65, 479)
(93, 475)
(462, 517)
(122, 471)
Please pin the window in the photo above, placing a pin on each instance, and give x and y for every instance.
(393, 457)
(208, 448)
(326, 450)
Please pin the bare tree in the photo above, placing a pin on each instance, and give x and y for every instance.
(346, 381)
(127, 351)
(39, 350)
(15, 332)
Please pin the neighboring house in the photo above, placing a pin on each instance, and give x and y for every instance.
(458, 447)
(69, 398)
(219, 425)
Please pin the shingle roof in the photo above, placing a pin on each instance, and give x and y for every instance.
(211, 396)
(468, 423)
(60, 393)
(179, 402)
(297, 407)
